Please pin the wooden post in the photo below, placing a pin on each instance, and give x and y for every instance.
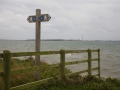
(37, 42)
(99, 62)
(38, 33)
(62, 64)
(6, 69)
(89, 62)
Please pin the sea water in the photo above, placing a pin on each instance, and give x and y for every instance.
(109, 53)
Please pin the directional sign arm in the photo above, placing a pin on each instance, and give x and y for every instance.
(31, 19)
(44, 17)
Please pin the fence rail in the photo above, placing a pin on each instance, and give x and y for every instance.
(7, 72)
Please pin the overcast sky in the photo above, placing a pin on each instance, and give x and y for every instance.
(70, 19)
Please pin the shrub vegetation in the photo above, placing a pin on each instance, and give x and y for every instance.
(75, 82)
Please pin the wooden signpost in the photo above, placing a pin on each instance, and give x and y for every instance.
(38, 18)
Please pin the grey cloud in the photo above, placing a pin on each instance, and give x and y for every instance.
(70, 19)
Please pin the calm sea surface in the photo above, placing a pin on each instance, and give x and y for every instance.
(110, 53)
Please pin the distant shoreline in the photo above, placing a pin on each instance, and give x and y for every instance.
(68, 40)
(57, 40)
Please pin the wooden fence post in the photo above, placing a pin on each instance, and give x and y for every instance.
(99, 62)
(62, 64)
(89, 62)
(6, 69)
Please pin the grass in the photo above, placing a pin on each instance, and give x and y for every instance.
(78, 82)
(23, 78)
(75, 82)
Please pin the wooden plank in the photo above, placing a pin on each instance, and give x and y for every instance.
(99, 62)
(32, 84)
(95, 59)
(95, 68)
(62, 64)
(83, 71)
(70, 74)
(1, 74)
(76, 62)
(96, 75)
(1, 55)
(75, 51)
(37, 43)
(18, 54)
(49, 52)
(37, 37)
(89, 62)
(6, 69)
